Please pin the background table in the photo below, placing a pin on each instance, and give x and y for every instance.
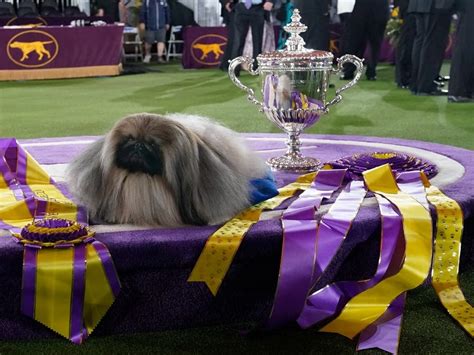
(60, 52)
(154, 264)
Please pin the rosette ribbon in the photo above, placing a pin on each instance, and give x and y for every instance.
(69, 280)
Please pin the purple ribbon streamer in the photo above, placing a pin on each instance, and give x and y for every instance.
(298, 249)
(330, 300)
(335, 225)
(29, 281)
(109, 267)
(385, 332)
(78, 333)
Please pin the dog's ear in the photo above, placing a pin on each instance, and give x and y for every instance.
(182, 165)
(218, 189)
(84, 177)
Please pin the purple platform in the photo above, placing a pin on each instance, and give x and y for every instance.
(154, 264)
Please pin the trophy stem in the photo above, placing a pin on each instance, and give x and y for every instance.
(293, 160)
(293, 143)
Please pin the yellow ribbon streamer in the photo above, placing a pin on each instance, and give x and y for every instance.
(222, 245)
(38, 180)
(16, 213)
(368, 306)
(98, 293)
(449, 227)
(54, 276)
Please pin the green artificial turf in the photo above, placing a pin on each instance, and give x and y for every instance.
(90, 107)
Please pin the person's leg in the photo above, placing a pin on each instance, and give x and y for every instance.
(356, 38)
(149, 38)
(461, 83)
(160, 47)
(242, 24)
(257, 21)
(224, 65)
(375, 35)
(432, 51)
(416, 53)
(404, 51)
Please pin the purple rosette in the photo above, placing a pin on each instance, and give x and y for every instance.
(53, 232)
(399, 162)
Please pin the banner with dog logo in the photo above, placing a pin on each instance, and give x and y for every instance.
(59, 52)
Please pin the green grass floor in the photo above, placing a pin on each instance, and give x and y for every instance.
(90, 106)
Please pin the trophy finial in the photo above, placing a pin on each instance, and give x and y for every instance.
(295, 42)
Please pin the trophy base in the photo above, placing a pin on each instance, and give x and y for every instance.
(294, 164)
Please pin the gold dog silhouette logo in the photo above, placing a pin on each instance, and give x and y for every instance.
(208, 49)
(32, 49)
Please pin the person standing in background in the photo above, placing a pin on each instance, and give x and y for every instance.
(228, 18)
(344, 11)
(461, 84)
(433, 20)
(315, 15)
(403, 65)
(366, 24)
(249, 14)
(154, 21)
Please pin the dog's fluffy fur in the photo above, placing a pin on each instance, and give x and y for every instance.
(170, 171)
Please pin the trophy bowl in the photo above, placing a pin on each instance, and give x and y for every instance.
(294, 85)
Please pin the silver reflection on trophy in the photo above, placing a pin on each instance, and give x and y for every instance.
(294, 87)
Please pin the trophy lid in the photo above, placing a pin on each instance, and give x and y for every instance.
(295, 56)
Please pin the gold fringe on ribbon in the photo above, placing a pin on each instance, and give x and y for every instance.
(449, 227)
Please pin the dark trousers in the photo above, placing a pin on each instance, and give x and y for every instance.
(224, 65)
(403, 63)
(461, 82)
(345, 32)
(244, 19)
(432, 32)
(315, 15)
(364, 26)
(317, 35)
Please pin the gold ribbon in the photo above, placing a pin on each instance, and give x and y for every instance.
(449, 227)
(368, 306)
(54, 275)
(98, 293)
(221, 247)
(16, 213)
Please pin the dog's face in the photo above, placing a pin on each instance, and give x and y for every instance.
(137, 146)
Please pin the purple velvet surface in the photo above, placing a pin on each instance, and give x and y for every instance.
(153, 265)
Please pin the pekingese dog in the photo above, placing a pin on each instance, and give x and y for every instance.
(168, 170)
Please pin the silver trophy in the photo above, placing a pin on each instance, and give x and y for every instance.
(294, 86)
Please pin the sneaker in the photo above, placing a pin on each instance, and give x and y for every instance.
(161, 60)
(147, 59)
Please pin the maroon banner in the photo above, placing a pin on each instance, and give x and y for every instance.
(59, 51)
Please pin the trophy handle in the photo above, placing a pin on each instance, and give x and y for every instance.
(348, 58)
(232, 66)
